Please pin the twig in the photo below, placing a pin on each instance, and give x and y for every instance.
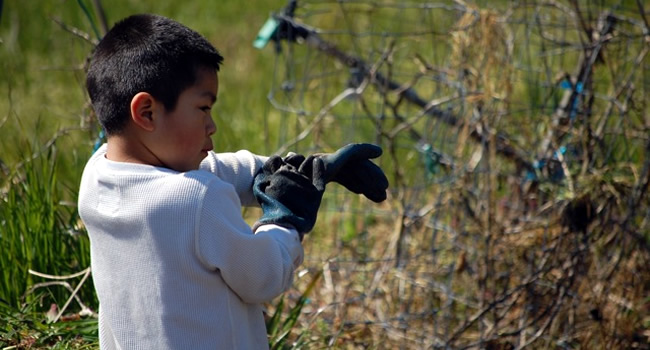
(75, 31)
(549, 320)
(504, 147)
(335, 101)
(50, 143)
(639, 3)
(479, 314)
(626, 85)
(74, 294)
(587, 29)
(85, 273)
(588, 59)
(53, 277)
(101, 14)
(319, 117)
(424, 111)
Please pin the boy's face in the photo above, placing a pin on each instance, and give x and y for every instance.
(184, 134)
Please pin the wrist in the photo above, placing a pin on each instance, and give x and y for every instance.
(258, 226)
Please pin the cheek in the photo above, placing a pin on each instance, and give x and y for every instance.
(185, 138)
(191, 135)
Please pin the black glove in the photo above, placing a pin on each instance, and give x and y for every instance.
(351, 167)
(290, 196)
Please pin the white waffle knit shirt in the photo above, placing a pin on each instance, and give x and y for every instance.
(174, 264)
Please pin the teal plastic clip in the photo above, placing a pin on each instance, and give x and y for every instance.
(266, 32)
(431, 159)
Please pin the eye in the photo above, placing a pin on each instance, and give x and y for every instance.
(206, 109)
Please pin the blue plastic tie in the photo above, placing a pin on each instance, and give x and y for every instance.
(566, 85)
(101, 138)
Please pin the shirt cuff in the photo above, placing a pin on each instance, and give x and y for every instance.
(287, 237)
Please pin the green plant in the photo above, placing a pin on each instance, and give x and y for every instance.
(279, 330)
(38, 231)
(25, 327)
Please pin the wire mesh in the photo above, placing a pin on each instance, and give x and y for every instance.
(516, 141)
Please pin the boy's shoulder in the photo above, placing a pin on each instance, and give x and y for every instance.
(202, 178)
(100, 167)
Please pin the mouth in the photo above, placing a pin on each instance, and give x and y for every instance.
(208, 148)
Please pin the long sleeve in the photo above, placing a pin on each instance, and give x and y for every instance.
(237, 169)
(257, 267)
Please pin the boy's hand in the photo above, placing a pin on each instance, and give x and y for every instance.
(351, 167)
(290, 196)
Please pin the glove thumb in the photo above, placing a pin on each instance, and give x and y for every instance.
(314, 168)
(335, 161)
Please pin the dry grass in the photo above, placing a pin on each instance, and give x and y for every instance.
(531, 230)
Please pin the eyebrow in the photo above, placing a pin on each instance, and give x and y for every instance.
(210, 95)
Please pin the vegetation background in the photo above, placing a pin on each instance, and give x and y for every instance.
(47, 132)
(518, 210)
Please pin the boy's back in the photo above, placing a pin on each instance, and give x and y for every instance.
(174, 264)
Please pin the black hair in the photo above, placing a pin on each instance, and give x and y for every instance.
(144, 53)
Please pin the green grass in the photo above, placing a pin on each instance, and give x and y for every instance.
(23, 328)
(39, 231)
(47, 134)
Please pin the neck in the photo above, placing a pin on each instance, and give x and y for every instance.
(123, 148)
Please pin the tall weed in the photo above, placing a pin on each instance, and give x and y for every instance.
(38, 231)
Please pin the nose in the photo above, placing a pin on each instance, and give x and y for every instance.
(211, 127)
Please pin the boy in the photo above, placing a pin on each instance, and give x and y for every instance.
(174, 264)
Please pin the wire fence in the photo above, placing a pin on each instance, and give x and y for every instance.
(516, 140)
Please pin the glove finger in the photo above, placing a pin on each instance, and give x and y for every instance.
(375, 194)
(358, 151)
(318, 173)
(368, 179)
(366, 151)
(365, 172)
(314, 168)
(373, 173)
(272, 165)
(306, 168)
(349, 154)
(292, 175)
(294, 159)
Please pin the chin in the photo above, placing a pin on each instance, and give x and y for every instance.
(188, 167)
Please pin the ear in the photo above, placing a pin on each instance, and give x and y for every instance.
(142, 110)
